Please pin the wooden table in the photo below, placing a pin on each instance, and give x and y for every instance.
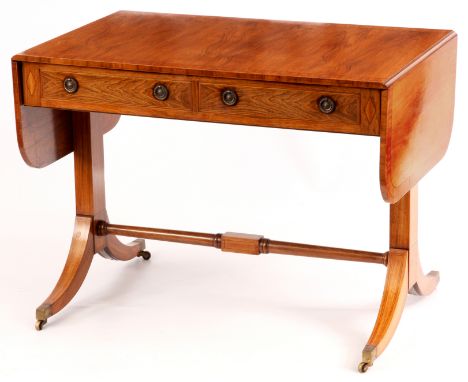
(392, 83)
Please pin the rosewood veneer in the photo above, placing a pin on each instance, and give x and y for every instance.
(396, 84)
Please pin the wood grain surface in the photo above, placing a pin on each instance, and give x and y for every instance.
(112, 90)
(417, 117)
(391, 306)
(404, 235)
(44, 135)
(238, 242)
(119, 59)
(280, 101)
(260, 103)
(396, 83)
(349, 55)
(241, 243)
(76, 268)
(90, 194)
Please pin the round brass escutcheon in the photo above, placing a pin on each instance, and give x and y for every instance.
(229, 97)
(70, 85)
(326, 104)
(160, 92)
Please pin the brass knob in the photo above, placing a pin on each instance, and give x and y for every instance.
(160, 92)
(326, 104)
(229, 97)
(70, 85)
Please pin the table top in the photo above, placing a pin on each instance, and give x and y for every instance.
(397, 83)
(298, 52)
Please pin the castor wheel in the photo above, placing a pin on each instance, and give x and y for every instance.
(363, 367)
(145, 254)
(40, 324)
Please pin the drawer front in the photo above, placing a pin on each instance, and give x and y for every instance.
(294, 106)
(110, 91)
(355, 111)
(285, 102)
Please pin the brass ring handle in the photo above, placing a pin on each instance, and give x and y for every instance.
(326, 104)
(160, 92)
(229, 97)
(70, 85)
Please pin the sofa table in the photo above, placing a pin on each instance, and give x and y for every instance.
(393, 83)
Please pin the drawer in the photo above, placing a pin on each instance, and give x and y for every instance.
(105, 90)
(323, 108)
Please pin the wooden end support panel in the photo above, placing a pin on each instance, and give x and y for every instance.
(241, 243)
(416, 122)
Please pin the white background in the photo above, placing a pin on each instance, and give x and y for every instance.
(194, 313)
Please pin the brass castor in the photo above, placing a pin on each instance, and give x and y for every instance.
(40, 324)
(363, 367)
(145, 254)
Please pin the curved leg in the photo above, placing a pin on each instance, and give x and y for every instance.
(116, 250)
(423, 284)
(76, 268)
(88, 146)
(404, 275)
(391, 307)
